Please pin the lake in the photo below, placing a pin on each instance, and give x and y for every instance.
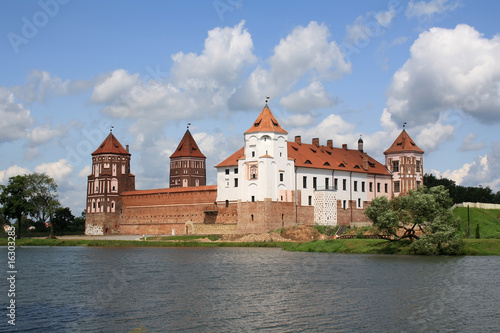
(86, 289)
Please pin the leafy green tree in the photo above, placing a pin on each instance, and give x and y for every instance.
(423, 217)
(33, 195)
(62, 220)
(15, 199)
(79, 223)
(43, 198)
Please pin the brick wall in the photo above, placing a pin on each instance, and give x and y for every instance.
(356, 215)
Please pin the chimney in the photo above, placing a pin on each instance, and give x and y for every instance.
(316, 142)
(329, 143)
(126, 147)
(344, 146)
(297, 139)
(365, 161)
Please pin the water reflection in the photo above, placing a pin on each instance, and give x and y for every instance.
(80, 289)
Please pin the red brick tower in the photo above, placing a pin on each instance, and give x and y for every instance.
(405, 160)
(187, 164)
(110, 177)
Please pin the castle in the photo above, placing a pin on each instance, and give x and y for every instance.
(268, 184)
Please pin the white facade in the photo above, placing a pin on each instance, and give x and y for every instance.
(263, 172)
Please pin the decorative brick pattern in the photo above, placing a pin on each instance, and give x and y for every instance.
(325, 208)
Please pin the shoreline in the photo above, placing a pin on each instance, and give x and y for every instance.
(353, 246)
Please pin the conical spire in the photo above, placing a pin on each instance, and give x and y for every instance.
(266, 122)
(187, 147)
(403, 144)
(111, 145)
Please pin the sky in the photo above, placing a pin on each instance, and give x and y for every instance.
(73, 70)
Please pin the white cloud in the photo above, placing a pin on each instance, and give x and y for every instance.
(117, 83)
(15, 120)
(306, 53)
(85, 172)
(59, 170)
(12, 172)
(227, 51)
(44, 133)
(41, 85)
(484, 171)
(436, 79)
(197, 85)
(468, 143)
(309, 98)
(428, 9)
(432, 135)
(297, 120)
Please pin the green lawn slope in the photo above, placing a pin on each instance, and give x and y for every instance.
(488, 220)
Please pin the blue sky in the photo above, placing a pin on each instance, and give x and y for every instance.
(335, 70)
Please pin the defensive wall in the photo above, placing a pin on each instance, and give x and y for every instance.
(194, 210)
(477, 205)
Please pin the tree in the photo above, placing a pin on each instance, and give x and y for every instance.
(424, 218)
(79, 223)
(43, 198)
(33, 195)
(62, 220)
(14, 198)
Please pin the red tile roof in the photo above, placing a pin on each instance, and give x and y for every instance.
(323, 157)
(111, 145)
(403, 144)
(233, 159)
(266, 122)
(187, 147)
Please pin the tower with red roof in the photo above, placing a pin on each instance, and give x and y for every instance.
(405, 160)
(109, 178)
(187, 164)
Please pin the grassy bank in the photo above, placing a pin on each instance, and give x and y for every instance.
(134, 243)
(360, 246)
(488, 220)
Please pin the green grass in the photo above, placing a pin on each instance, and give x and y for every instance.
(488, 220)
(482, 247)
(133, 243)
(360, 246)
(184, 237)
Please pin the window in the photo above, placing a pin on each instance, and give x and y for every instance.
(304, 182)
(235, 171)
(253, 198)
(385, 188)
(315, 181)
(253, 154)
(362, 186)
(327, 186)
(281, 176)
(227, 171)
(371, 186)
(344, 184)
(310, 200)
(418, 166)
(253, 172)
(419, 183)
(378, 187)
(359, 203)
(395, 166)
(227, 203)
(344, 204)
(336, 184)
(396, 187)
(236, 182)
(355, 186)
